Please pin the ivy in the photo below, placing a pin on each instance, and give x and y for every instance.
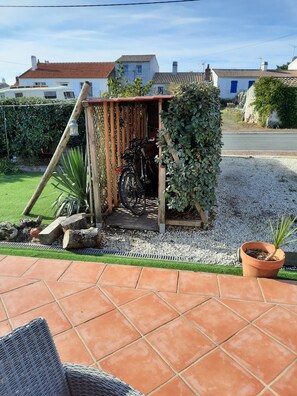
(273, 95)
(192, 121)
(32, 128)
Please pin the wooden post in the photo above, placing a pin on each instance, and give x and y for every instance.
(107, 153)
(118, 135)
(89, 168)
(94, 167)
(59, 150)
(113, 154)
(162, 182)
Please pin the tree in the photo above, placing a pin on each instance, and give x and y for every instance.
(120, 87)
(283, 67)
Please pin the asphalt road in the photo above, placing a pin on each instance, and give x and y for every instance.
(285, 143)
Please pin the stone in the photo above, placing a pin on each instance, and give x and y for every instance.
(77, 221)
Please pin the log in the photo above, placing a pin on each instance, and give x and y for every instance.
(59, 150)
(77, 239)
(77, 221)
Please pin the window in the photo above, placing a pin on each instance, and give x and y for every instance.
(160, 90)
(138, 69)
(251, 82)
(126, 68)
(2, 95)
(69, 95)
(233, 88)
(18, 95)
(50, 95)
(63, 84)
(40, 84)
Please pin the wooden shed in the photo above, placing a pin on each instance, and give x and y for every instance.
(111, 124)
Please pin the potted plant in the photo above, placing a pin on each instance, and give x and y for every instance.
(263, 260)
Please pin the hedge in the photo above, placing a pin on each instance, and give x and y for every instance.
(34, 126)
(193, 124)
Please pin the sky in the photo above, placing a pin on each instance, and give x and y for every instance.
(237, 34)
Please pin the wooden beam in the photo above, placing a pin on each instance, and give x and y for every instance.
(59, 150)
(94, 166)
(89, 168)
(184, 223)
(162, 181)
(113, 155)
(107, 153)
(118, 134)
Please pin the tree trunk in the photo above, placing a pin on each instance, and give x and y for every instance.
(77, 221)
(77, 239)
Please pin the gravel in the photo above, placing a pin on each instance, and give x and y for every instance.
(250, 191)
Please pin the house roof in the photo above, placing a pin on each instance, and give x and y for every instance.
(178, 78)
(254, 73)
(290, 81)
(135, 58)
(71, 70)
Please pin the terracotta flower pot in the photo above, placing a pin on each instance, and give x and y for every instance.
(261, 268)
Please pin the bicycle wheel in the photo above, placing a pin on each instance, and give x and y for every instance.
(121, 187)
(133, 193)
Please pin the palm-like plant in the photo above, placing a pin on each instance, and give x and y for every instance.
(71, 178)
(281, 233)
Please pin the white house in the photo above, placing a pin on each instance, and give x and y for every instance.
(162, 81)
(143, 66)
(70, 75)
(232, 81)
(293, 64)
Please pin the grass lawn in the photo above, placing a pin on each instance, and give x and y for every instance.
(109, 259)
(16, 191)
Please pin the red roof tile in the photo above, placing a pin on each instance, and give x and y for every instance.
(71, 70)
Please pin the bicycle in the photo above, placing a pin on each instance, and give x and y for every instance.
(133, 179)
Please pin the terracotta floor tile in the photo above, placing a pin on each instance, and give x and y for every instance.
(262, 355)
(51, 312)
(182, 302)
(86, 305)
(107, 333)
(2, 313)
(15, 266)
(138, 365)
(47, 269)
(286, 384)
(4, 328)
(122, 295)
(7, 283)
(242, 288)
(291, 308)
(148, 312)
(216, 320)
(71, 349)
(158, 279)
(26, 298)
(175, 387)
(218, 375)
(180, 343)
(2, 257)
(250, 310)
(267, 392)
(284, 292)
(198, 283)
(120, 275)
(281, 324)
(80, 271)
(64, 289)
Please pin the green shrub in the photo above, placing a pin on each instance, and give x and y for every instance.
(273, 95)
(193, 123)
(7, 167)
(34, 125)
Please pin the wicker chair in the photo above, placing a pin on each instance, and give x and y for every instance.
(30, 366)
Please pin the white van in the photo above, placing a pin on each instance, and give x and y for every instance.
(43, 92)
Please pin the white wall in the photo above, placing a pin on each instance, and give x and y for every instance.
(293, 65)
(34, 92)
(148, 70)
(99, 85)
(224, 84)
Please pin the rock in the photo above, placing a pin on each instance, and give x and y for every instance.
(75, 222)
(30, 223)
(9, 231)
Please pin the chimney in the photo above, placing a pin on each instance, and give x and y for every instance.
(174, 67)
(264, 66)
(34, 62)
(207, 74)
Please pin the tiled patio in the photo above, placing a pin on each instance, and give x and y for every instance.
(165, 332)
